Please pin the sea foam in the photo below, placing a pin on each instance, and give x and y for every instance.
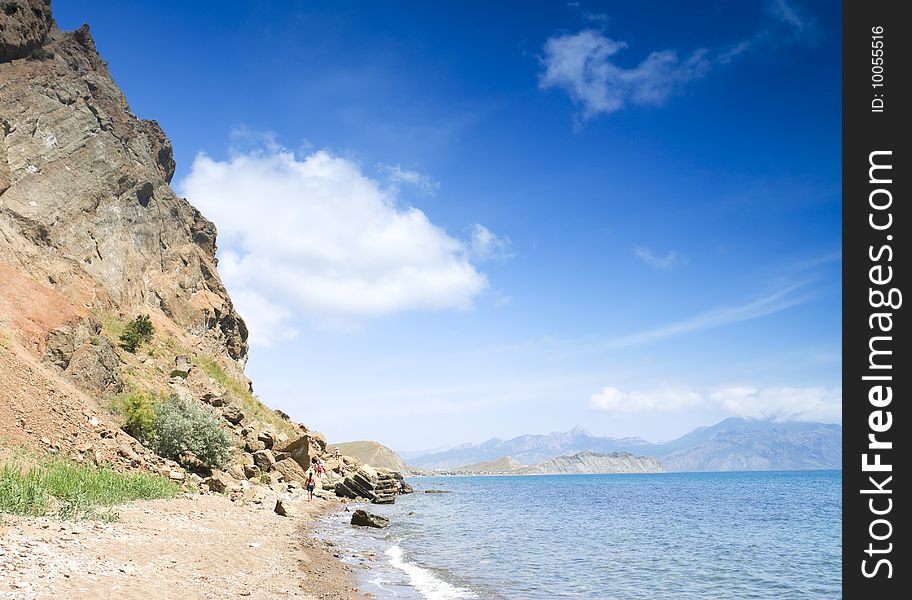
(425, 582)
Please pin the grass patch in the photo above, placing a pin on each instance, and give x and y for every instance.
(6, 338)
(68, 490)
(111, 325)
(249, 403)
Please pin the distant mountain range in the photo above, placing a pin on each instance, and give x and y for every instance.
(586, 462)
(734, 444)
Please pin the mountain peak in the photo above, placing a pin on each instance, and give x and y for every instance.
(579, 431)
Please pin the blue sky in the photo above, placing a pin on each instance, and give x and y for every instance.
(447, 222)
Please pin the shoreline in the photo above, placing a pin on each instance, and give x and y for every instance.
(193, 547)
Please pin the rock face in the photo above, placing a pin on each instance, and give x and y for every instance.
(595, 463)
(377, 485)
(24, 27)
(304, 449)
(363, 518)
(85, 203)
(91, 236)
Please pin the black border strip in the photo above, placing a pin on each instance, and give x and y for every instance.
(876, 227)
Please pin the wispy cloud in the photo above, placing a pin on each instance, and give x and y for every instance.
(817, 261)
(486, 245)
(780, 403)
(583, 64)
(789, 14)
(664, 262)
(767, 305)
(396, 176)
(611, 399)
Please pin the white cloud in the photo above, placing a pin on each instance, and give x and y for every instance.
(666, 262)
(397, 175)
(486, 245)
(614, 400)
(581, 65)
(767, 305)
(316, 236)
(768, 403)
(782, 403)
(267, 322)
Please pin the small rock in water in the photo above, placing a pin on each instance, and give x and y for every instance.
(365, 519)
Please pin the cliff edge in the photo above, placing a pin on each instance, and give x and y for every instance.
(85, 205)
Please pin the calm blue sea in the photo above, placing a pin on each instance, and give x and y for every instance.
(670, 535)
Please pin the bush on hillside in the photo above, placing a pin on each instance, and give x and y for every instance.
(137, 409)
(185, 426)
(139, 331)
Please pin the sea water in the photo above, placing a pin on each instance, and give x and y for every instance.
(670, 535)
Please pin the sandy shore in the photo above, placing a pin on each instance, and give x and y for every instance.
(191, 548)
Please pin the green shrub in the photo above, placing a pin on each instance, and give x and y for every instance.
(70, 490)
(179, 373)
(138, 413)
(139, 331)
(39, 54)
(185, 426)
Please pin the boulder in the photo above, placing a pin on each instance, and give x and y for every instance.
(232, 414)
(376, 485)
(363, 518)
(86, 356)
(251, 472)
(219, 481)
(266, 438)
(252, 444)
(182, 363)
(264, 460)
(215, 396)
(288, 507)
(237, 471)
(290, 470)
(303, 450)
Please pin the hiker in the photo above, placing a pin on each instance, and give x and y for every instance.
(397, 488)
(310, 483)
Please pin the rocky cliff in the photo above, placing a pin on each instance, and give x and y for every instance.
(85, 205)
(595, 463)
(91, 236)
